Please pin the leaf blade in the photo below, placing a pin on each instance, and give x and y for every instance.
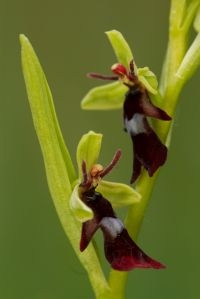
(57, 173)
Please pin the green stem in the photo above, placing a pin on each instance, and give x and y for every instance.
(117, 281)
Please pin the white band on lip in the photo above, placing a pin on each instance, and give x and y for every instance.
(135, 125)
(113, 226)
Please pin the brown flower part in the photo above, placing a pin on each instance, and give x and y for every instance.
(148, 149)
(120, 250)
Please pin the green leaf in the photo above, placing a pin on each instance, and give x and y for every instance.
(43, 113)
(120, 47)
(37, 88)
(105, 97)
(197, 21)
(118, 194)
(190, 62)
(88, 150)
(81, 211)
(59, 169)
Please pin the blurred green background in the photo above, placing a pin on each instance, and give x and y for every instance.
(36, 260)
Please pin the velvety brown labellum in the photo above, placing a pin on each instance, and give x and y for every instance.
(124, 255)
(120, 250)
(148, 149)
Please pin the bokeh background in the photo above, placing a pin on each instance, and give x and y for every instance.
(36, 259)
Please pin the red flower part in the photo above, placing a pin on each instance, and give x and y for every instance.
(119, 70)
(120, 250)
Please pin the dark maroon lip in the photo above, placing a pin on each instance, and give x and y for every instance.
(121, 251)
(148, 150)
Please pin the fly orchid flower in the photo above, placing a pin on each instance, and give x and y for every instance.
(120, 250)
(149, 151)
(119, 194)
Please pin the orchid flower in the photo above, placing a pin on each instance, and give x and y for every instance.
(95, 211)
(119, 194)
(120, 250)
(148, 150)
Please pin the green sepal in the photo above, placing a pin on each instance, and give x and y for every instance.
(80, 210)
(148, 79)
(106, 97)
(118, 194)
(121, 48)
(88, 150)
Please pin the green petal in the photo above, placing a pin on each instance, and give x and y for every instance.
(88, 150)
(148, 79)
(80, 210)
(120, 47)
(105, 97)
(118, 194)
